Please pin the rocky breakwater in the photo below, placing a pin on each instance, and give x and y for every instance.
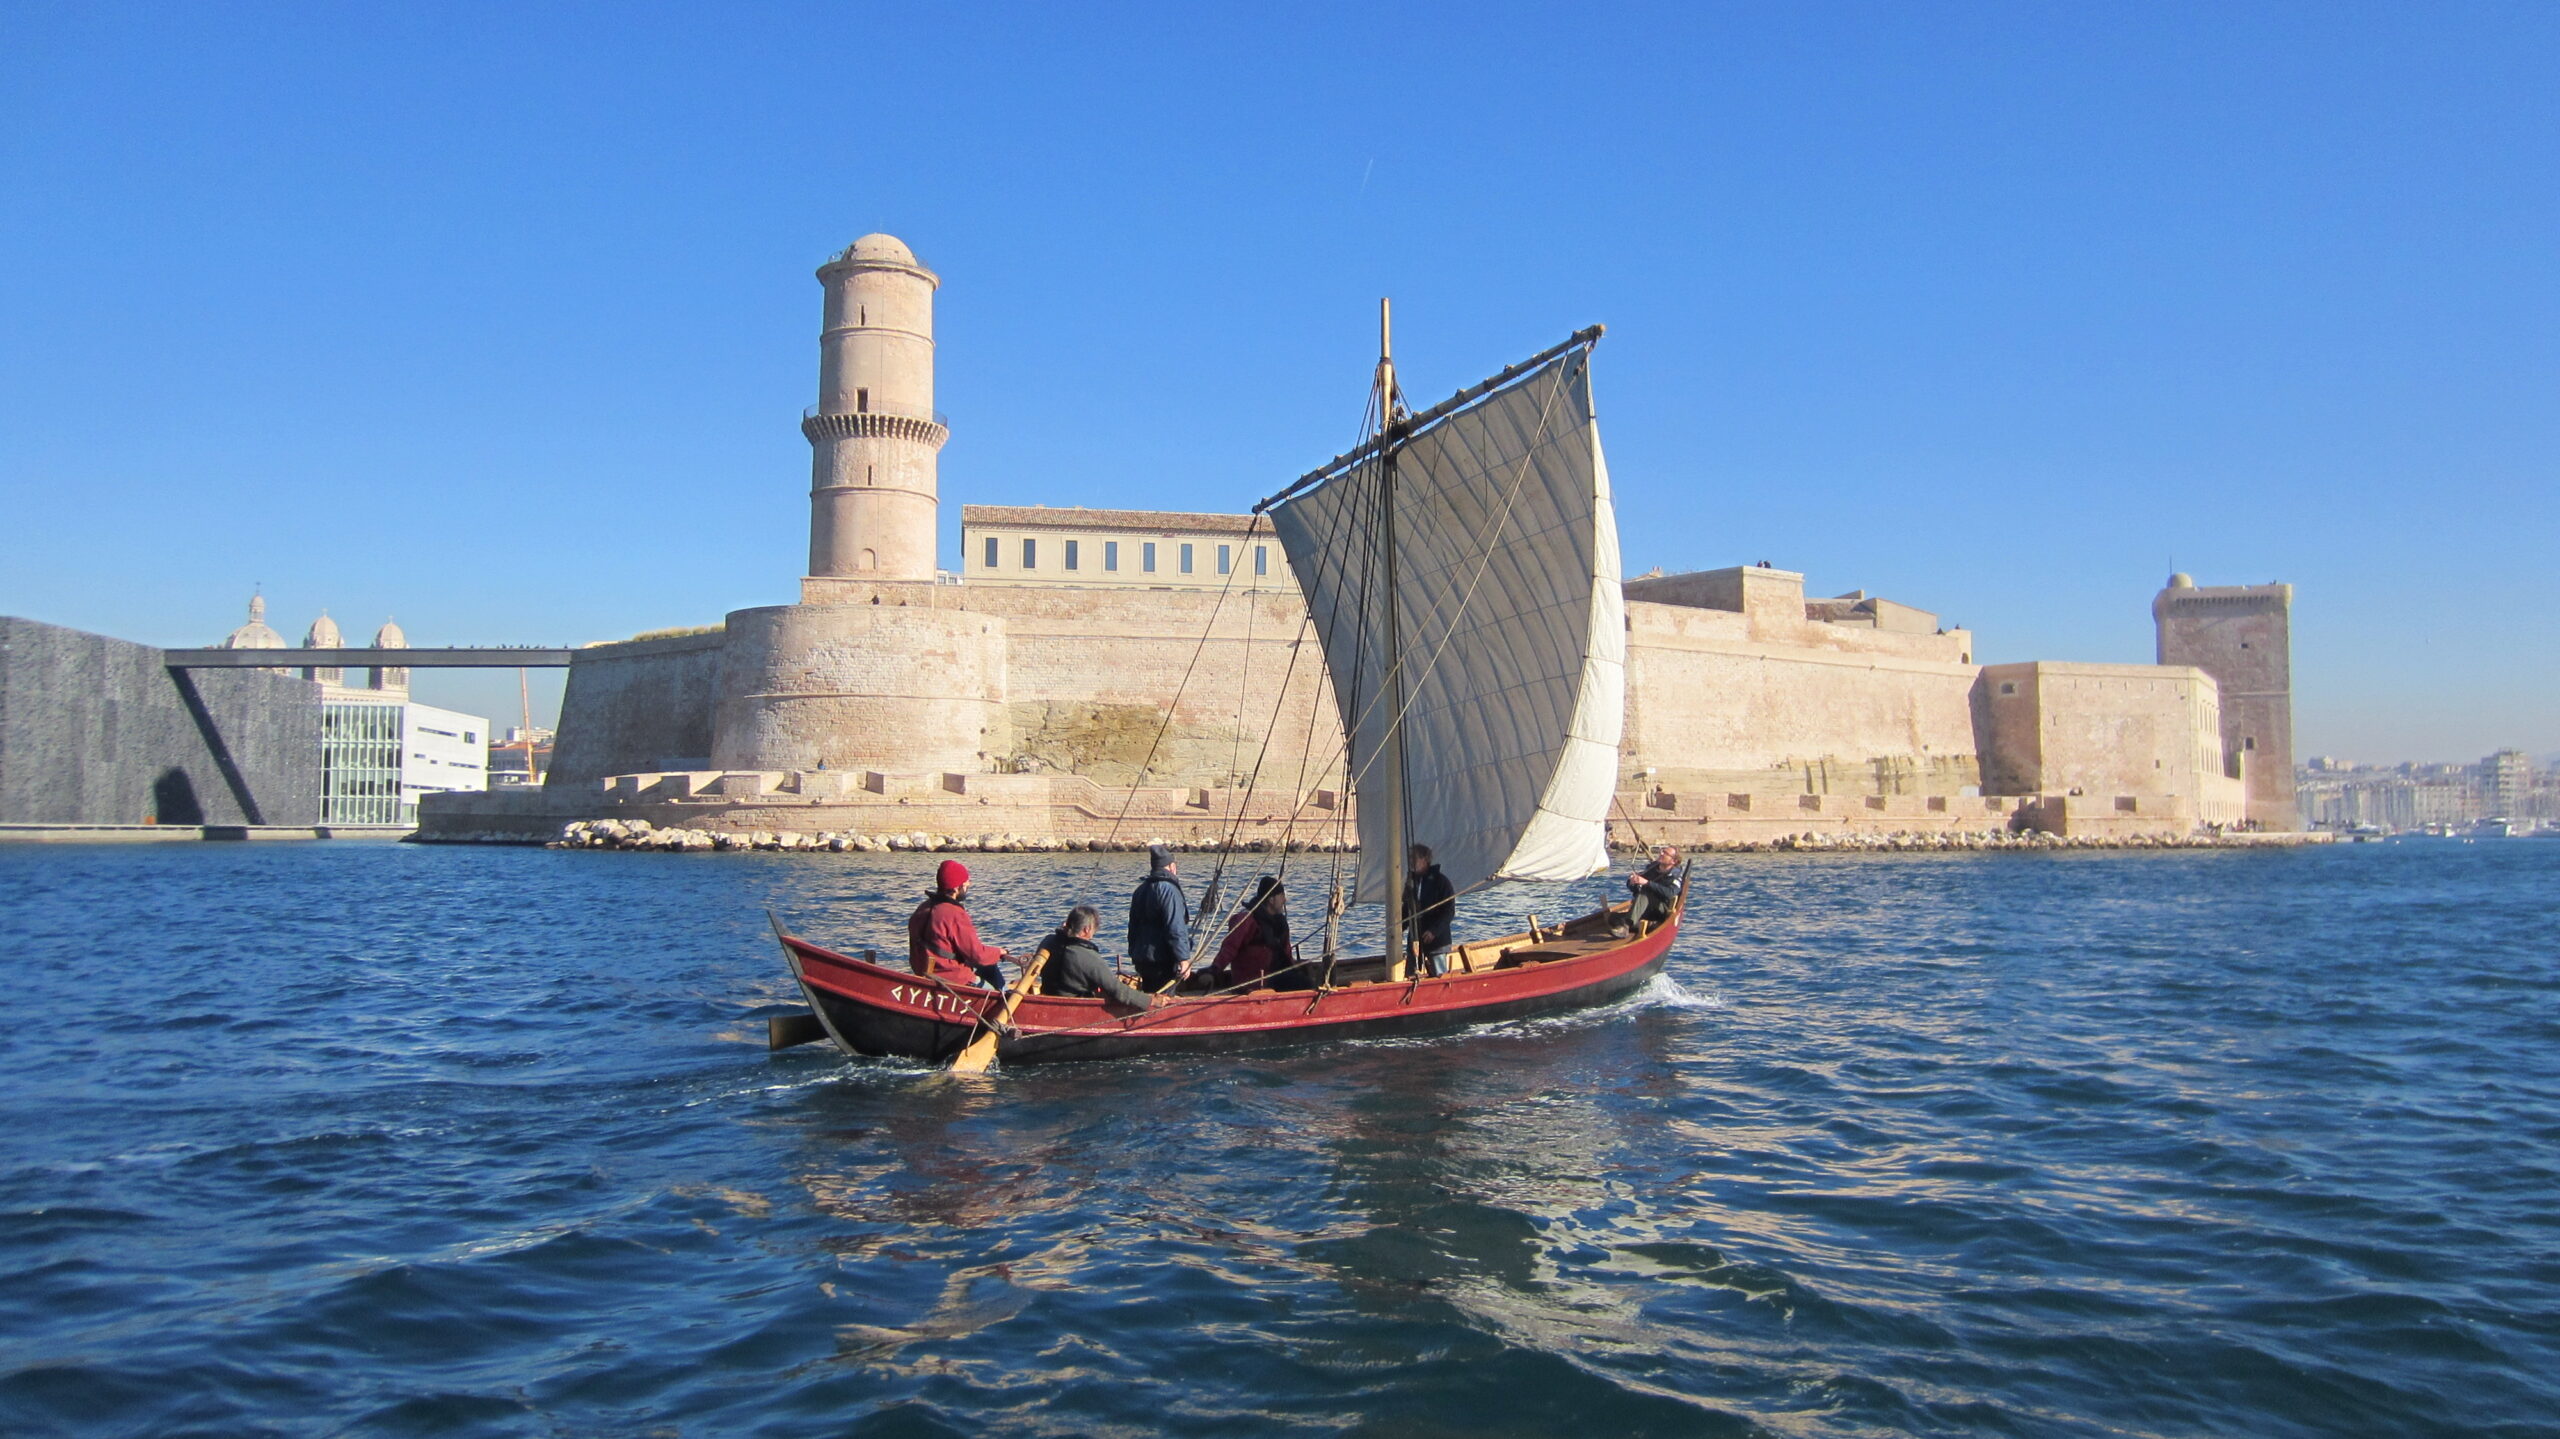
(642, 835)
(1917, 842)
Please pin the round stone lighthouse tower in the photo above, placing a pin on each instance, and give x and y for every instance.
(872, 495)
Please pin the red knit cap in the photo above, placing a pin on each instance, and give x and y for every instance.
(952, 875)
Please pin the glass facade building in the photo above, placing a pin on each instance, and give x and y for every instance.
(360, 765)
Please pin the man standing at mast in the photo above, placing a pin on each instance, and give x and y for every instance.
(1160, 924)
(1431, 905)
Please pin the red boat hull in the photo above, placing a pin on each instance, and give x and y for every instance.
(874, 1009)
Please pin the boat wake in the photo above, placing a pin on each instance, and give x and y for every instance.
(1664, 992)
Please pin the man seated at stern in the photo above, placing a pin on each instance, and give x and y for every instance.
(1654, 891)
(1077, 970)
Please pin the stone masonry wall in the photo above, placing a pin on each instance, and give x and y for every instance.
(888, 687)
(639, 705)
(1720, 702)
(1089, 674)
(95, 730)
(2112, 734)
(1738, 720)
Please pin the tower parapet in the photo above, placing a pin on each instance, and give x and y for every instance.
(874, 486)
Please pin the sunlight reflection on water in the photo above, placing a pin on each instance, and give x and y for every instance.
(410, 1139)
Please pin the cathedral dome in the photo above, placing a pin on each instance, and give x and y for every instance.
(323, 634)
(390, 636)
(256, 634)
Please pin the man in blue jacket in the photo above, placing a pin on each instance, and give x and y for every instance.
(1160, 924)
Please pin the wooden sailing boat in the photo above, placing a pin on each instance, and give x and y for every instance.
(1461, 572)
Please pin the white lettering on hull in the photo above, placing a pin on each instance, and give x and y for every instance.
(931, 999)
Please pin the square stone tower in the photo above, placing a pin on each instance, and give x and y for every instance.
(2242, 635)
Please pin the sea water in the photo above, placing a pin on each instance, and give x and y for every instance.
(354, 1137)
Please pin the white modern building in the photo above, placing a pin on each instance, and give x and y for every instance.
(377, 758)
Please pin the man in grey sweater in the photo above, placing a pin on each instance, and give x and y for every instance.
(1077, 970)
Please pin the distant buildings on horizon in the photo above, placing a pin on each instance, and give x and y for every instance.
(2334, 793)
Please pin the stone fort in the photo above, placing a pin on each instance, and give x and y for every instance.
(1105, 673)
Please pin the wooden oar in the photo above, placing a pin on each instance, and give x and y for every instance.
(981, 1051)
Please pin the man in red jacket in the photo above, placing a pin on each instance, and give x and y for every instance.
(942, 940)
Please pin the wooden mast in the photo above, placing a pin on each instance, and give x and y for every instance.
(1392, 776)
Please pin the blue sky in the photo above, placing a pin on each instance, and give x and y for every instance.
(500, 318)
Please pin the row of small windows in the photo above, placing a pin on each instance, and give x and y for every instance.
(1074, 556)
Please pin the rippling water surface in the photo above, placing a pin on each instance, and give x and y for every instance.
(321, 1138)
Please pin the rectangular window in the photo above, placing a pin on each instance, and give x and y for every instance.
(991, 552)
(1184, 561)
(1111, 555)
(1071, 554)
(1225, 563)
(1261, 560)
(862, 402)
(1031, 554)
(1147, 556)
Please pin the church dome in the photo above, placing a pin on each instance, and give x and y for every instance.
(256, 634)
(323, 634)
(390, 636)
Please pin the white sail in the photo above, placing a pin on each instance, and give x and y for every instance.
(1511, 627)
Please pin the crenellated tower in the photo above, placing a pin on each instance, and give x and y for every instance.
(2242, 635)
(873, 494)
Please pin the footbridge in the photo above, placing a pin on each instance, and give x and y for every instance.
(458, 657)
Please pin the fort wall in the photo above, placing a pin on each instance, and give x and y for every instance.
(861, 686)
(1090, 673)
(2123, 735)
(638, 705)
(1715, 701)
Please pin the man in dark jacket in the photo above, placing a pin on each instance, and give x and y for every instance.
(1160, 924)
(1077, 970)
(1430, 907)
(1655, 889)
